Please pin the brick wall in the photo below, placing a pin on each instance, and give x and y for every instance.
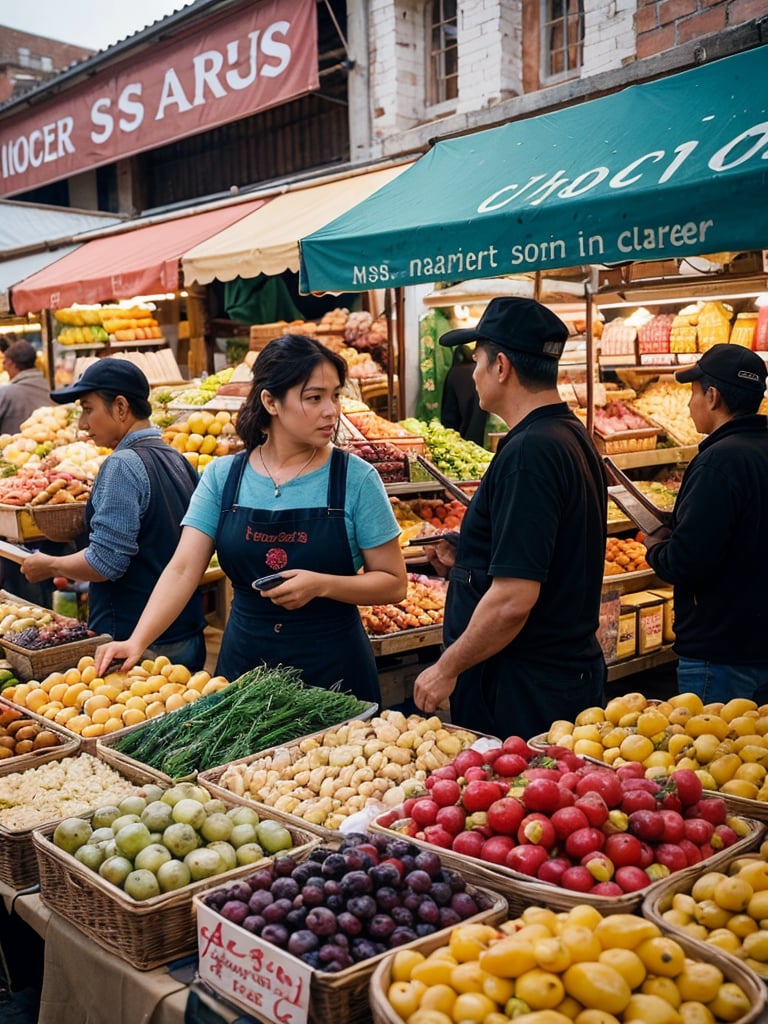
(12, 69)
(664, 24)
(490, 53)
(396, 60)
(609, 35)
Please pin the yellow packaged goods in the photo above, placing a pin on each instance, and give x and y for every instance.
(650, 619)
(626, 640)
(743, 330)
(714, 325)
(683, 335)
(667, 594)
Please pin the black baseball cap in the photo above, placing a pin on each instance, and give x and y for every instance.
(730, 364)
(517, 325)
(117, 376)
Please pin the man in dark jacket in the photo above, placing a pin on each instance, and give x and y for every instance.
(716, 552)
(27, 390)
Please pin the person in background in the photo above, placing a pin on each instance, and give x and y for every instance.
(460, 407)
(292, 504)
(525, 576)
(27, 390)
(133, 515)
(716, 552)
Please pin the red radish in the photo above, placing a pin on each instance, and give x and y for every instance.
(439, 836)
(453, 819)
(649, 785)
(468, 843)
(577, 878)
(446, 792)
(569, 780)
(623, 849)
(724, 836)
(517, 745)
(408, 805)
(537, 772)
(631, 770)
(496, 848)
(478, 796)
(710, 807)
(638, 800)
(477, 773)
(671, 855)
(551, 870)
(492, 754)
(509, 766)
(646, 855)
(606, 889)
(583, 841)
(467, 759)
(647, 825)
(527, 859)
(537, 829)
(505, 815)
(566, 820)
(691, 850)
(542, 795)
(671, 802)
(631, 879)
(606, 783)
(595, 808)
(688, 786)
(424, 811)
(448, 771)
(698, 830)
(674, 827)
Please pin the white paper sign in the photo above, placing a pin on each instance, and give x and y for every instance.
(263, 979)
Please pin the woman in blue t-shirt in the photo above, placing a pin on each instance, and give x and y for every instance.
(290, 503)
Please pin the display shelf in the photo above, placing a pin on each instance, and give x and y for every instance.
(621, 669)
(413, 487)
(655, 457)
(406, 640)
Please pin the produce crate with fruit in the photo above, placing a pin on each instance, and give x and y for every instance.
(723, 909)
(257, 708)
(546, 826)
(724, 745)
(556, 968)
(447, 449)
(90, 706)
(389, 461)
(37, 641)
(26, 741)
(375, 428)
(38, 796)
(201, 436)
(666, 402)
(620, 429)
(415, 621)
(359, 900)
(325, 779)
(138, 891)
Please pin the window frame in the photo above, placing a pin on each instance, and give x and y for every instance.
(547, 25)
(435, 100)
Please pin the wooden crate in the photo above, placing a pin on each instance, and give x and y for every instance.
(17, 524)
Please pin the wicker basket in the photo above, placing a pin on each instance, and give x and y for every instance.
(733, 970)
(68, 743)
(210, 780)
(627, 441)
(261, 334)
(146, 934)
(59, 522)
(39, 664)
(343, 998)
(523, 891)
(18, 866)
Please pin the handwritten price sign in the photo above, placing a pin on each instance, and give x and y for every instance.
(263, 979)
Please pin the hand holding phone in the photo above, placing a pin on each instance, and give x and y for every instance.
(268, 582)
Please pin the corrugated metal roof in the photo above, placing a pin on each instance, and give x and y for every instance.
(32, 225)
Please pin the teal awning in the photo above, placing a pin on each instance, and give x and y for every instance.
(670, 168)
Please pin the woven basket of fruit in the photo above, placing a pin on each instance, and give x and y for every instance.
(59, 522)
(339, 971)
(61, 646)
(596, 983)
(25, 741)
(147, 932)
(719, 911)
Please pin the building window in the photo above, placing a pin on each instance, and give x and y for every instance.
(442, 52)
(563, 38)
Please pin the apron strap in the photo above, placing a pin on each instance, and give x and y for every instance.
(232, 483)
(337, 482)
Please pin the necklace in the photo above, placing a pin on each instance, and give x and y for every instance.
(275, 484)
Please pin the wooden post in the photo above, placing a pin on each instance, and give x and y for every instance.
(198, 356)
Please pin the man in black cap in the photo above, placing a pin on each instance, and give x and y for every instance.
(716, 552)
(526, 575)
(133, 515)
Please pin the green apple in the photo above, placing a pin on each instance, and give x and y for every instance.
(132, 838)
(249, 853)
(157, 816)
(90, 855)
(101, 835)
(215, 807)
(115, 869)
(181, 791)
(273, 837)
(132, 805)
(203, 863)
(72, 833)
(151, 792)
(180, 839)
(243, 816)
(123, 820)
(141, 885)
(216, 827)
(104, 816)
(242, 834)
(190, 812)
(227, 853)
(151, 857)
(174, 874)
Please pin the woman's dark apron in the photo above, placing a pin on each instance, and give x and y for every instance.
(325, 638)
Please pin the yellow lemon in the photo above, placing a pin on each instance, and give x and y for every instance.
(651, 722)
(541, 990)
(403, 963)
(636, 747)
(627, 963)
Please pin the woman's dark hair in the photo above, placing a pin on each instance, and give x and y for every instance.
(535, 372)
(284, 363)
(140, 407)
(739, 401)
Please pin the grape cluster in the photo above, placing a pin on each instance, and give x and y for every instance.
(35, 638)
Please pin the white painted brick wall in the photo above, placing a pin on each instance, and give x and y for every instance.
(490, 64)
(609, 35)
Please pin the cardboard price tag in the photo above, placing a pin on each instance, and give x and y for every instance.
(264, 980)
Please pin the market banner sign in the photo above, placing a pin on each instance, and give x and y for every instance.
(665, 169)
(262, 56)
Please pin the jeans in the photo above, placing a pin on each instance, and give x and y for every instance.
(720, 683)
(191, 653)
